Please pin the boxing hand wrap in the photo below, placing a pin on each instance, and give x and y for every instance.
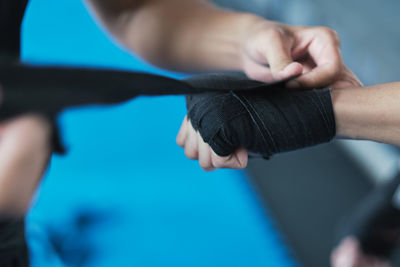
(265, 122)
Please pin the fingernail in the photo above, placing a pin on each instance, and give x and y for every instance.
(292, 84)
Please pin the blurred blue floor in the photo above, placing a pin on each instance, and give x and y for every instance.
(125, 195)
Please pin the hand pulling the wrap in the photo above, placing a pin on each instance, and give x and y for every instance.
(265, 121)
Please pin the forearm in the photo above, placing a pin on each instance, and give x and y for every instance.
(179, 34)
(24, 154)
(368, 113)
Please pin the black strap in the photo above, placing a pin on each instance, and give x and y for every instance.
(49, 90)
(13, 248)
(11, 14)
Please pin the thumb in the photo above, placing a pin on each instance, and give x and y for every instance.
(278, 54)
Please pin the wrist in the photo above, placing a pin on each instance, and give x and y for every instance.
(349, 115)
(368, 113)
(342, 111)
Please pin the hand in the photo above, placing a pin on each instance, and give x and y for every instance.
(349, 254)
(24, 153)
(273, 51)
(196, 148)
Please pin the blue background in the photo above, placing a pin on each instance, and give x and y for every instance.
(147, 204)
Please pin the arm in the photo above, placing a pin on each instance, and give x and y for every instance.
(177, 33)
(370, 113)
(24, 154)
(189, 35)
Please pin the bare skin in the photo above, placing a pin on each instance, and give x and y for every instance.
(182, 35)
(195, 35)
(349, 254)
(24, 154)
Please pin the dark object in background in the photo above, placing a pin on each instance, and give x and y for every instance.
(73, 245)
(13, 248)
(376, 221)
(307, 192)
(11, 14)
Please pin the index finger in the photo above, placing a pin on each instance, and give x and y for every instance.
(180, 138)
(321, 76)
(324, 52)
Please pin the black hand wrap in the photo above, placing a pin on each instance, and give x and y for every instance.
(13, 249)
(265, 121)
(264, 118)
(376, 222)
(49, 90)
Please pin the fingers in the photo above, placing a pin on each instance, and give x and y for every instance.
(319, 77)
(321, 46)
(180, 138)
(195, 148)
(262, 73)
(191, 143)
(187, 138)
(268, 54)
(256, 71)
(205, 155)
(316, 50)
(277, 50)
(237, 160)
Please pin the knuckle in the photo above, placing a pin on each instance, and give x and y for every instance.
(205, 164)
(274, 32)
(242, 165)
(205, 161)
(219, 162)
(336, 38)
(325, 30)
(329, 33)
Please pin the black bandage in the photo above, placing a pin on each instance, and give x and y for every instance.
(49, 90)
(235, 111)
(265, 121)
(13, 249)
